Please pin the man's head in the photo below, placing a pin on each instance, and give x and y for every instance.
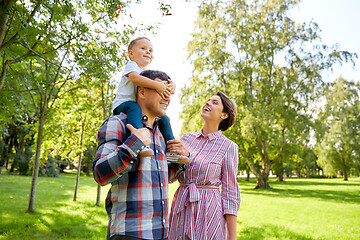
(151, 103)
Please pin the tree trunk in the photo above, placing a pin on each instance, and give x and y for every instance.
(247, 175)
(98, 195)
(263, 177)
(262, 183)
(344, 169)
(345, 175)
(35, 173)
(4, 18)
(80, 159)
(104, 117)
(88, 160)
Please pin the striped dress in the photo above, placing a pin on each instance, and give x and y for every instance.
(198, 207)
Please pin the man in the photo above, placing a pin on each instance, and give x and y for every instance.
(137, 202)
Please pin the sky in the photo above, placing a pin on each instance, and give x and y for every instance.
(339, 21)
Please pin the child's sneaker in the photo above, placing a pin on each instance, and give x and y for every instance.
(146, 152)
(176, 158)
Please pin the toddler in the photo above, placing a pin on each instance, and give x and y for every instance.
(140, 52)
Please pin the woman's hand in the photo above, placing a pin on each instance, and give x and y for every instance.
(177, 146)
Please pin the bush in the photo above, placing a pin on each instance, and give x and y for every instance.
(49, 167)
(24, 160)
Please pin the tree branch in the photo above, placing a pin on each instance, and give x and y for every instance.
(16, 35)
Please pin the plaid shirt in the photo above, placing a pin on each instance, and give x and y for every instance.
(137, 202)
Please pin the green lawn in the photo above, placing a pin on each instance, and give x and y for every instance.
(300, 209)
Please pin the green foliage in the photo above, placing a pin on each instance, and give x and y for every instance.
(270, 65)
(49, 167)
(23, 160)
(339, 135)
(17, 140)
(50, 48)
(88, 157)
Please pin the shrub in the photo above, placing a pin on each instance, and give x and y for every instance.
(49, 167)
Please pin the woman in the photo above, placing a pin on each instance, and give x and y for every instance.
(199, 209)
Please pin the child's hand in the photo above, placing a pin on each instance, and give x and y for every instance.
(168, 91)
(163, 89)
(172, 86)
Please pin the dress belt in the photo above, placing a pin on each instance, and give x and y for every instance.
(191, 195)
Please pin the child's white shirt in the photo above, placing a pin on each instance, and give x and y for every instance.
(127, 90)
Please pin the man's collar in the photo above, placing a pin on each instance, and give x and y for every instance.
(145, 123)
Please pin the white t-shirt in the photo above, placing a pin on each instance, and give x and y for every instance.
(127, 90)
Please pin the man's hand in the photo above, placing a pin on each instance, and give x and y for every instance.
(177, 146)
(142, 133)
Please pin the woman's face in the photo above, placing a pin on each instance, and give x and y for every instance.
(213, 110)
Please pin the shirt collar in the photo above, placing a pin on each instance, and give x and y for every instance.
(145, 119)
(210, 136)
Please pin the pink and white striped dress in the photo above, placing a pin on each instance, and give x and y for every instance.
(198, 207)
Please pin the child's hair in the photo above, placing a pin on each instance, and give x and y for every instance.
(133, 42)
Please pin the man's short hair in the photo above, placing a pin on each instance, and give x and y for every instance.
(153, 74)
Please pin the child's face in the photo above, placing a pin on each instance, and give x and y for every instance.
(142, 53)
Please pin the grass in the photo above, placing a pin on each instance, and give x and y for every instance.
(300, 209)
(56, 215)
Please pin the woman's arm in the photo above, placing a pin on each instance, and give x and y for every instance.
(230, 190)
(231, 223)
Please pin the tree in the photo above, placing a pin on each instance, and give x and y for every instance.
(48, 45)
(339, 141)
(268, 64)
(17, 138)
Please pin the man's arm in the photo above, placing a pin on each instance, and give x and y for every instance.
(116, 153)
